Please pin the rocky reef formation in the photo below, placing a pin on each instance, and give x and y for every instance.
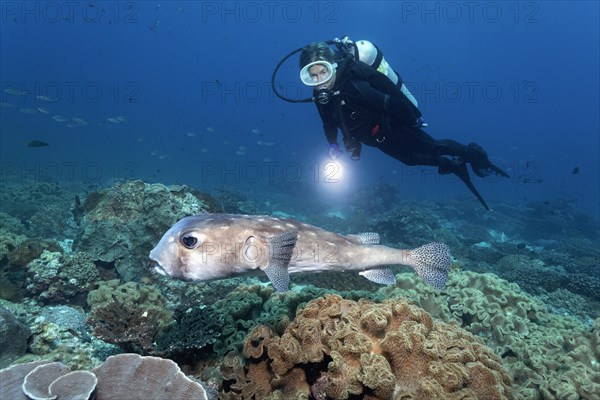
(128, 315)
(56, 277)
(120, 225)
(13, 337)
(338, 348)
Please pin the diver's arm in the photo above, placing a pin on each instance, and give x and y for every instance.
(397, 106)
(329, 125)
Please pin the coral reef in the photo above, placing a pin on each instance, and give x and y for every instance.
(193, 329)
(59, 333)
(128, 376)
(128, 315)
(13, 337)
(124, 376)
(531, 341)
(121, 224)
(533, 275)
(545, 330)
(341, 348)
(12, 232)
(66, 278)
(42, 207)
(249, 306)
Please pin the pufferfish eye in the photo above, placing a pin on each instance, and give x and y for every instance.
(189, 241)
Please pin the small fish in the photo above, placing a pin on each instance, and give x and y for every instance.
(15, 92)
(220, 246)
(575, 170)
(36, 143)
(47, 98)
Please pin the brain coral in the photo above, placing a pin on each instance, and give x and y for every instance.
(341, 348)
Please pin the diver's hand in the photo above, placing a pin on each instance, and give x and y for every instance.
(334, 151)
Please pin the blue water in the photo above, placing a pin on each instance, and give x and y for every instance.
(519, 78)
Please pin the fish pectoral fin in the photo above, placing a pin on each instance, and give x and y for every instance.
(365, 238)
(382, 276)
(281, 250)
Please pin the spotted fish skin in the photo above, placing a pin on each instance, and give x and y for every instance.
(219, 246)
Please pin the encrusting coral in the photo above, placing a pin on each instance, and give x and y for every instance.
(341, 348)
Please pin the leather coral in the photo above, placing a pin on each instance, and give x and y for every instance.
(383, 350)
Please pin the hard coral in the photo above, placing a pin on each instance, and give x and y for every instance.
(13, 337)
(131, 326)
(56, 277)
(121, 224)
(129, 315)
(130, 376)
(125, 376)
(194, 328)
(346, 348)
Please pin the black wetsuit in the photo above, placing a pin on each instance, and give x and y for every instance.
(371, 109)
(378, 114)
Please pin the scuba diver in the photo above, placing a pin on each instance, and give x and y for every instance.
(356, 91)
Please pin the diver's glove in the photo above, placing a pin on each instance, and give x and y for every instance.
(334, 151)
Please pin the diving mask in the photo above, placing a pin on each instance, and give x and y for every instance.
(317, 73)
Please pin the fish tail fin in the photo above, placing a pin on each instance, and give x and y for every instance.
(431, 263)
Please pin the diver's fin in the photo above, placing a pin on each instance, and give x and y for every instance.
(460, 170)
(365, 238)
(281, 247)
(431, 263)
(383, 276)
(474, 191)
(481, 164)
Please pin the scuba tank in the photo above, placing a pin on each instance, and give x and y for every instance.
(372, 56)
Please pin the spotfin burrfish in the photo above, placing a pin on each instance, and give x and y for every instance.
(219, 246)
